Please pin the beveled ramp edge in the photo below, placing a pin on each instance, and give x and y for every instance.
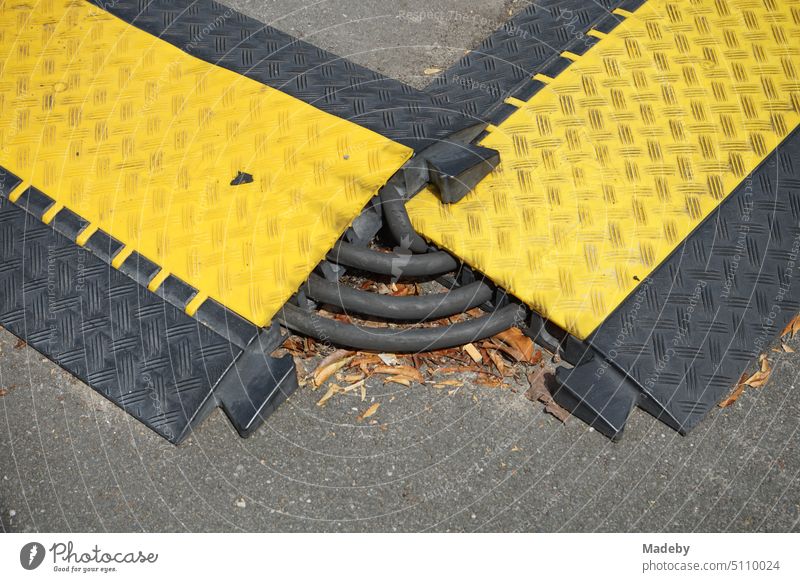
(679, 344)
(175, 291)
(136, 348)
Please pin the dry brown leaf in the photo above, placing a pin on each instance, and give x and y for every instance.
(737, 391)
(473, 353)
(334, 357)
(758, 379)
(369, 411)
(432, 70)
(3, 391)
(363, 391)
(510, 351)
(398, 380)
(352, 387)
(332, 390)
(451, 383)
(321, 374)
(364, 359)
(497, 360)
(787, 348)
(792, 327)
(403, 290)
(335, 389)
(452, 353)
(519, 341)
(20, 344)
(407, 371)
(294, 345)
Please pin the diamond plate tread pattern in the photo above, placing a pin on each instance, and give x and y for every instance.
(610, 166)
(458, 98)
(525, 45)
(148, 357)
(144, 142)
(218, 34)
(689, 332)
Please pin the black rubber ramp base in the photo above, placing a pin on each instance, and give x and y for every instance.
(160, 365)
(680, 343)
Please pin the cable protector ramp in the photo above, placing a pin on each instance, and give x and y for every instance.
(133, 346)
(156, 211)
(683, 339)
(231, 186)
(612, 163)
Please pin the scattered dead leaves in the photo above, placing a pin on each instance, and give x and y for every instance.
(519, 344)
(330, 365)
(407, 372)
(335, 389)
(792, 327)
(761, 377)
(490, 363)
(738, 390)
(756, 380)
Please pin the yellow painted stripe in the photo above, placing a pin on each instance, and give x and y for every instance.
(515, 102)
(156, 281)
(85, 234)
(51, 212)
(121, 257)
(143, 141)
(195, 303)
(608, 168)
(15, 194)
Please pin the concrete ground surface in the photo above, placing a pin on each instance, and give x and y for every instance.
(467, 459)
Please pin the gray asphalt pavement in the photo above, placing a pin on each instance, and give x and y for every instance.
(464, 459)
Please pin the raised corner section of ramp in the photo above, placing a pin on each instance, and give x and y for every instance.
(233, 187)
(612, 163)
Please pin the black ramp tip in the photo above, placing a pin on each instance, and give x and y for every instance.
(598, 394)
(256, 385)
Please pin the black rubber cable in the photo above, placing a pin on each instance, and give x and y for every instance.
(410, 308)
(394, 210)
(392, 264)
(398, 340)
